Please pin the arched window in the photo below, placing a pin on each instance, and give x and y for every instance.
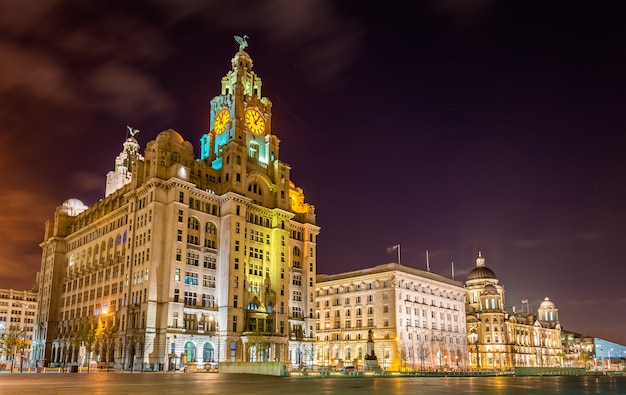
(193, 231)
(210, 235)
(296, 255)
(208, 353)
(193, 224)
(190, 350)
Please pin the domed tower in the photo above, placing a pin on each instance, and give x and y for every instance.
(548, 312)
(486, 317)
(121, 175)
(477, 281)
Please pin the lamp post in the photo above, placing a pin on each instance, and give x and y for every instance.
(609, 367)
(25, 311)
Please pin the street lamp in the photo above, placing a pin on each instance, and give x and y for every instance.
(25, 313)
(610, 349)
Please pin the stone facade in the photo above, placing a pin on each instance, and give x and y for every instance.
(185, 261)
(17, 320)
(416, 318)
(502, 340)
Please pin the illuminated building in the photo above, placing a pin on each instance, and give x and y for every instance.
(17, 318)
(501, 340)
(185, 261)
(417, 319)
(578, 350)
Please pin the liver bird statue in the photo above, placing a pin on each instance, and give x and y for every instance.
(242, 41)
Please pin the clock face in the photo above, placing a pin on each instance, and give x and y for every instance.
(255, 121)
(221, 119)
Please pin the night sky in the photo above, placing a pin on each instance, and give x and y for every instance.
(448, 126)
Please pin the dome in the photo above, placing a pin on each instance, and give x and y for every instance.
(546, 304)
(172, 135)
(241, 59)
(73, 207)
(481, 272)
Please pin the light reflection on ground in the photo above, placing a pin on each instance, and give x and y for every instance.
(211, 383)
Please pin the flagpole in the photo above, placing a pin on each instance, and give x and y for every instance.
(453, 270)
(427, 262)
(399, 254)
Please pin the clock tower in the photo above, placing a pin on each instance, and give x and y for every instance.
(218, 252)
(240, 114)
(269, 251)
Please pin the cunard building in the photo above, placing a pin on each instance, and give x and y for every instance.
(416, 319)
(501, 340)
(186, 260)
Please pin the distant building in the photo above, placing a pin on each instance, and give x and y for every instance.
(578, 350)
(502, 340)
(185, 261)
(17, 319)
(609, 355)
(417, 319)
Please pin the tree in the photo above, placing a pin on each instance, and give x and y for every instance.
(403, 358)
(422, 352)
(85, 334)
(106, 334)
(258, 344)
(12, 341)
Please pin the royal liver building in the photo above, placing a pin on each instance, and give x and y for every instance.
(186, 261)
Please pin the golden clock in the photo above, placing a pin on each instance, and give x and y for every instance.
(221, 119)
(255, 121)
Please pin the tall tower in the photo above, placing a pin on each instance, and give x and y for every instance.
(187, 261)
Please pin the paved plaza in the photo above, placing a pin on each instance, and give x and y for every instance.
(213, 383)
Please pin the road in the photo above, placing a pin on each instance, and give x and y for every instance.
(213, 383)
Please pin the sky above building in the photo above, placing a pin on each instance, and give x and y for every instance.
(448, 126)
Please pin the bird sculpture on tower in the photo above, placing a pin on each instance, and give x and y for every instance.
(242, 41)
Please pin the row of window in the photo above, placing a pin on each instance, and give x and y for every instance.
(101, 231)
(102, 275)
(347, 301)
(191, 299)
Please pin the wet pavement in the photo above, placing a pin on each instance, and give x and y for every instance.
(214, 383)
